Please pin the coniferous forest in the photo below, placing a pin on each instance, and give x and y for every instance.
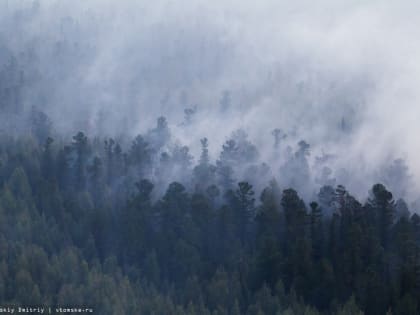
(214, 159)
(77, 229)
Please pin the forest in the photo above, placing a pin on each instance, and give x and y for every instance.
(82, 225)
(211, 158)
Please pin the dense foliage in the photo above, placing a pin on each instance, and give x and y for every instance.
(87, 223)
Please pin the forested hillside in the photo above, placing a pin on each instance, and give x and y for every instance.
(81, 224)
(210, 157)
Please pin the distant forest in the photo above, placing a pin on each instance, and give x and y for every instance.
(81, 224)
(212, 210)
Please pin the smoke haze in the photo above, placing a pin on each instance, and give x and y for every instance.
(343, 76)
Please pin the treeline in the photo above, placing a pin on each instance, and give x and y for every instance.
(81, 224)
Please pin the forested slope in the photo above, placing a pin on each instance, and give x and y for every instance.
(80, 224)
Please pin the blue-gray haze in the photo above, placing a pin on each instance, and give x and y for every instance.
(341, 75)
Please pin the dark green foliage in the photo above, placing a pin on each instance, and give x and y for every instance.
(80, 225)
